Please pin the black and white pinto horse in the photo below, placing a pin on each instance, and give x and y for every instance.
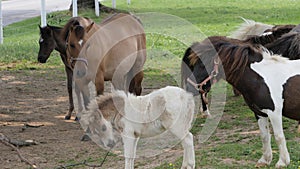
(191, 81)
(269, 84)
(279, 39)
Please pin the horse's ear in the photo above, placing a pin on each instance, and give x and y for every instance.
(79, 31)
(88, 28)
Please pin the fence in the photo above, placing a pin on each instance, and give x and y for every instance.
(43, 13)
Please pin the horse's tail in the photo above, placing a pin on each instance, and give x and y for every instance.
(186, 67)
(249, 27)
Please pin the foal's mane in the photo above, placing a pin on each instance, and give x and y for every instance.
(235, 55)
(109, 105)
(72, 22)
(54, 28)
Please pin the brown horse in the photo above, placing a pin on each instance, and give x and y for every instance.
(113, 51)
(54, 38)
(269, 84)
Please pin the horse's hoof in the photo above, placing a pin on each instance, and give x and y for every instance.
(67, 117)
(204, 116)
(76, 118)
(85, 138)
(260, 165)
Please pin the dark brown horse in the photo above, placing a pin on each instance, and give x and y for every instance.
(54, 38)
(270, 84)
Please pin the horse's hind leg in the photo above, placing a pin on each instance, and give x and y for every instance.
(263, 123)
(189, 153)
(99, 82)
(69, 85)
(284, 157)
(136, 84)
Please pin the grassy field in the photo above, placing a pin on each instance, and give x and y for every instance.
(229, 146)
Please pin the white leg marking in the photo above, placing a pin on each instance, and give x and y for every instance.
(263, 123)
(207, 113)
(189, 153)
(284, 157)
(130, 145)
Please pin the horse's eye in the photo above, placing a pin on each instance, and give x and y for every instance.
(72, 45)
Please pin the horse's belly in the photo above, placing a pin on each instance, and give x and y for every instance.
(152, 129)
(291, 97)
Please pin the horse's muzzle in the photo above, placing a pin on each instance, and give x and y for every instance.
(80, 74)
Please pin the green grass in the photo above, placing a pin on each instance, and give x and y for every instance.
(166, 44)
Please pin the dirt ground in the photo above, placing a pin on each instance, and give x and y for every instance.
(39, 97)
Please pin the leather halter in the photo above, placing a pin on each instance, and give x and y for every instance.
(212, 75)
(72, 59)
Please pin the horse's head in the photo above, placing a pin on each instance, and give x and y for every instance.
(46, 42)
(78, 35)
(101, 130)
(203, 63)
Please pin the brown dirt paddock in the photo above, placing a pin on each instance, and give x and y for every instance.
(39, 97)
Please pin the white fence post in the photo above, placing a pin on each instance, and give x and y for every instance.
(128, 2)
(74, 13)
(114, 4)
(43, 13)
(97, 11)
(1, 24)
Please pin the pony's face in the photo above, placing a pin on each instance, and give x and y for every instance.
(47, 44)
(74, 44)
(102, 132)
(199, 74)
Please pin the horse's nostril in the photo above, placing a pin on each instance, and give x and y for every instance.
(80, 74)
(111, 143)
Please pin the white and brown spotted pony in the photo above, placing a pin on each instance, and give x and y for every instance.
(270, 85)
(133, 117)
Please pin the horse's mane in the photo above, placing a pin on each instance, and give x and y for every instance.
(270, 35)
(108, 104)
(261, 40)
(54, 28)
(279, 30)
(249, 28)
(235, 55)
(288, 46)
(72, 22)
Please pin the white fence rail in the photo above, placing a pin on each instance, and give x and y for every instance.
(43, 13)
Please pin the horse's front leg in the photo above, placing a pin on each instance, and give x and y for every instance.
(189, 152)
(263, 123)
(69, 73)
(205, 110)
(276, 121)
(130, 144)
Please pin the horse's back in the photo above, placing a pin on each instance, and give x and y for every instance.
(129, 50)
